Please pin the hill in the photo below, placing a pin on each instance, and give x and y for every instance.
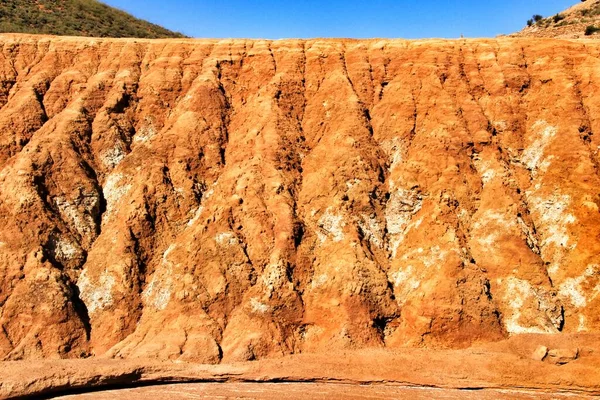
(219, 201)
(580, 21)
(75, 18)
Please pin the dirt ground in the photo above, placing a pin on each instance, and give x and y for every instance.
(506, 368)
(310, 391)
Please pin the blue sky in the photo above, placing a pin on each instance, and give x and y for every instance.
(341, 18)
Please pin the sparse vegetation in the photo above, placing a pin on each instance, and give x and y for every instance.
(75, 18)
(534, 20)
(591, 29)
(591, 12)
(569, 23)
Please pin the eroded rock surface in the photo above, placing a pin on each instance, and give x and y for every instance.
(231, 200)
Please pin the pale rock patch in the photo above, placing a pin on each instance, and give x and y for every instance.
(530, 238)
(331, 225)
(80, 216)
(114, 190)
(258, 307)
(64, 250)
(517, 293)
(405, 281)
(554, 220)
(500, 125)
(372, 229)
(435, 257)
(540, 353)
(96, 296)
(488, 241)
(145, 133)
(488, 228)
(572, 290)
(485, 169)
(274, 276)
(26, 195)
(352, 183)
(319, 281)
(123, 74)
(395, 149)
(196, 216)
(495, 218)
(582, 327)
(226, 239)
(205, 196)
(113, 157)
(158, 292)
(400, 209)
(545, 165)
(534, 153)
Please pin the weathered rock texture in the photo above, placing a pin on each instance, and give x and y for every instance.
(231, 200)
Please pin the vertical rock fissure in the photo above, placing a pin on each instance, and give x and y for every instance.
(225, 114)
(585, 129)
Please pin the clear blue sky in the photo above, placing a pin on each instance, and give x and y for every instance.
(341, 18)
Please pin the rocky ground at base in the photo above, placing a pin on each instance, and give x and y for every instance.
(508, 365)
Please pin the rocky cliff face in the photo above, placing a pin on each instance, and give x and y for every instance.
(232, 200)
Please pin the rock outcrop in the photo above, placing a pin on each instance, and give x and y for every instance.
(232, 200)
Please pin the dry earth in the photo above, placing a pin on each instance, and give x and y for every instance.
(224, 201)
(310, 391)
(489, 371)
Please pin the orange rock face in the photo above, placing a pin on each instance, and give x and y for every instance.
(232, 200)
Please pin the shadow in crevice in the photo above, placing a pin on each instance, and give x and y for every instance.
(81, 310)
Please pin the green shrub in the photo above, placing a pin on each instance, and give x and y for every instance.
(591, 29)
(591, 12)
(558, 17)
(537, 18)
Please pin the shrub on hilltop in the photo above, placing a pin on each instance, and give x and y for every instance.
(75, 18)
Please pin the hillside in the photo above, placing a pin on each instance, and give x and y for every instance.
(218, 201)
(580, 21)
(75, 18)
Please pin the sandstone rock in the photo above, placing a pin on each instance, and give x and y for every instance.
(562, 356)
(209, 200)
(540, 353)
